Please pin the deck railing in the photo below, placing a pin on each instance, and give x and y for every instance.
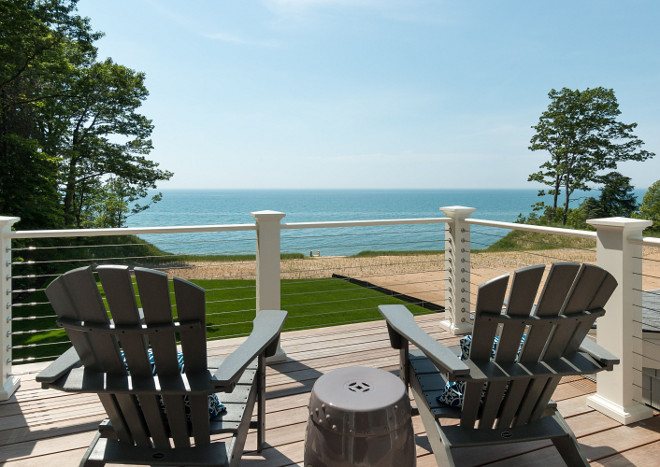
(619, 250)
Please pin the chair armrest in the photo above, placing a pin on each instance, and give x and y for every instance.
(60, 367)
(599, 354)
(401, 321)
(266, 331)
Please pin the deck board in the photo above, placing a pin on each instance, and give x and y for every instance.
(47, 426)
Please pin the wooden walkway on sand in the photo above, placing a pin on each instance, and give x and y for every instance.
(53, 428)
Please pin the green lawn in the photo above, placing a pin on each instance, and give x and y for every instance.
(230, 310)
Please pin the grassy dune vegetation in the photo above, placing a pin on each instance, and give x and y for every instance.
(517, 240)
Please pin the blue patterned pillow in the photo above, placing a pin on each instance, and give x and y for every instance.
(452, 395)
(215, 406)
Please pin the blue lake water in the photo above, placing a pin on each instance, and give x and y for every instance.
(201, 207)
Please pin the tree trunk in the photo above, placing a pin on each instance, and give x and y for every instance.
(69, 214)
(555, 198)
(567, 198)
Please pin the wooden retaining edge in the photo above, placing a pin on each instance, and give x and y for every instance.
(406, 298)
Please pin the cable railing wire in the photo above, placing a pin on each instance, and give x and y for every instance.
(355, 321)
(645, 307)
(360, 266)
(228, 300)
(120, 245)
(348, 291)
(233, 323)
(33, 359)
(327, 313)
(497, 258)
(43, 344)
(482, 265)
(366, 278)
(124, 258)
(651, 292)
(646, 325)
(294, 305)
(34, 331)
(25, 304)
(216, 313)
(32, 318)
(285, 238)
(367, 287)
(651, 276)
(652, 260)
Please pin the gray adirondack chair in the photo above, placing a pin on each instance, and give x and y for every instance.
(152, 417)
(515, 403)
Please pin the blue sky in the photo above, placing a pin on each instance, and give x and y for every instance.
(375, 93)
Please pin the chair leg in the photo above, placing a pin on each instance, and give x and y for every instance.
(85, 462)
(440, 445)
(261, 403)
(567, 444)
(569, 450)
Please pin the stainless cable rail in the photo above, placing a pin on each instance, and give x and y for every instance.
(230, 285)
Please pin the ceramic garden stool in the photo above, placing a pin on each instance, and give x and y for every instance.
(359, 417)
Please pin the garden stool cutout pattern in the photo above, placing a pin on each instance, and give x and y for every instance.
(359, 416)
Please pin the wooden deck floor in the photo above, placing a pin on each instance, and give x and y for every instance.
(52, 428)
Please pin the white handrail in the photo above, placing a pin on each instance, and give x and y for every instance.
(129, 231)
(534, 228)
(646, 241)
(363, 223)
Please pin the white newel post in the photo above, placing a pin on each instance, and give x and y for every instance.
(268, 265)
(9, 383)
(457, 270)
(619, 392)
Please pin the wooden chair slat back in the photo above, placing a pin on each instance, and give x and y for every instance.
(553, 296)
(176, 418)
(570, 332)
(118, 289)
(136, 416)
(604, 292)
(75, 295)
(559, 282)
(524, 287)
(600, 297)
(489, 302)
(586, 285)
(191, 308)
(154, 291)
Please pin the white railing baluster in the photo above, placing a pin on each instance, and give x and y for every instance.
(268, 265)
(619, 392)
(9, 383)
(457, 270)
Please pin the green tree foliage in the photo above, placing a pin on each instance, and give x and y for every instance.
(108, 97)
(650, 207)
(112, 202)
(39, 43)
(581, 133)
(68, 123)
(616, 197)
(616, 200)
